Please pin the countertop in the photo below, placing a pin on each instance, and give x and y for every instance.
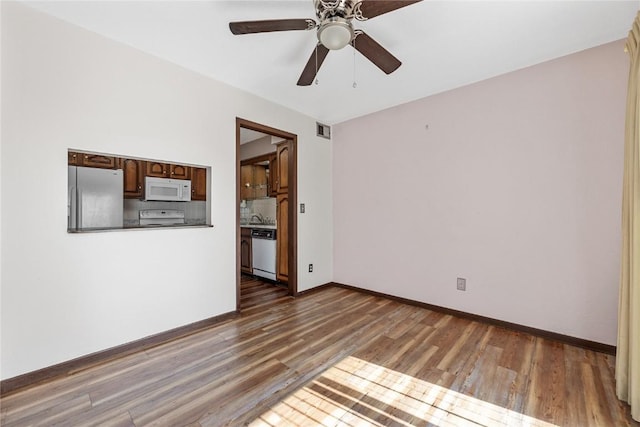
(263, 226)
(127, 227)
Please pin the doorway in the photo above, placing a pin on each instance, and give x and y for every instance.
(286, 202)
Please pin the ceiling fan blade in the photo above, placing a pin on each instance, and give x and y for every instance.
(373, 8)
(313, 65)
(375, 53)
(248, 27)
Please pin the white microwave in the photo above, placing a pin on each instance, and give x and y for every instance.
(167, 189)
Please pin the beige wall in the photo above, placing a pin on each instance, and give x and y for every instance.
(67, 295)
(513, 183)
(257, 148)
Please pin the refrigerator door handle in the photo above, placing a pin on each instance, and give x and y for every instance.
(79, 219)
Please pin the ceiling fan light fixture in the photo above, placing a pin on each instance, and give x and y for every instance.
(335, 33)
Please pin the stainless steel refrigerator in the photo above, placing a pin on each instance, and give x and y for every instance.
(95, 198)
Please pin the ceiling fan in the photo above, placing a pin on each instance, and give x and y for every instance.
(335, 31)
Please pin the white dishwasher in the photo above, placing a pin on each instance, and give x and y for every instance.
(263, 252)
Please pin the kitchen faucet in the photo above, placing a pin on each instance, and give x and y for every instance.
(259, 216)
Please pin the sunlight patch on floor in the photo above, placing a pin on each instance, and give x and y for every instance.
(355, 392)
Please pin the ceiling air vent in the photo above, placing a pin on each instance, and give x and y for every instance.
(323, 131)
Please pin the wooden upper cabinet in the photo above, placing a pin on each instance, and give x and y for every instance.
(246, 182)
(273, 175)
(74, 158)
(168, 170)
(260, 181)
(133, 177)
(282, 165)
(179, 172)
(157, 169)
(198, 183)
(135, 171)
(97, 161)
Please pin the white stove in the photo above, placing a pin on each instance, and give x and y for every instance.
(160, 217)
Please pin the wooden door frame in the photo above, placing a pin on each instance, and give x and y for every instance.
(293, 198)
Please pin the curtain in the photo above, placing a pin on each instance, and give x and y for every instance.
(628, 348)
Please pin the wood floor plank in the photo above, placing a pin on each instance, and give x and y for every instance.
(547, 388)
(335, 357)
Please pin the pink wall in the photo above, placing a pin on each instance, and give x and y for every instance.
(515, 185)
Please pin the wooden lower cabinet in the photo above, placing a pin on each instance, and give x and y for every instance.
(246, 264)
(282, 242)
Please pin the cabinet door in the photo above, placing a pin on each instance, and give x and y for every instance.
(73, 158)
(246, 264)
(157, 169)
(273, 176)
(282, 242)
(260, 181)
(98, 161)
(198, 184)
(282, 164)
(246, 182)
(180, 172)
(133, 177)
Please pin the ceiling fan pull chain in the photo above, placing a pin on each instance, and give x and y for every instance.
(354, 63)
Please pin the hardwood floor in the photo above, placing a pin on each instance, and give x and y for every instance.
(335, 357)
(254, 293)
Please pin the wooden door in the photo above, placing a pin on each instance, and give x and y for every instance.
(157, 169)
(282, 242)
(179, 172)
(133, 177)
(282, 164)
(198, 184)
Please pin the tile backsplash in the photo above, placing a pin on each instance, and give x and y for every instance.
(194, 212)
(264, 207)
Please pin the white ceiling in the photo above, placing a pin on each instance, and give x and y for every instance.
(442, 44)
(248, 135)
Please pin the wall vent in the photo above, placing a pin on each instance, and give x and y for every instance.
(323, 131)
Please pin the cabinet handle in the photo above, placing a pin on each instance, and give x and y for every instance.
(139, 187)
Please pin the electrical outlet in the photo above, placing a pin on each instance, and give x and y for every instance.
(462, 284)
(310, 268)
(301, 207)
